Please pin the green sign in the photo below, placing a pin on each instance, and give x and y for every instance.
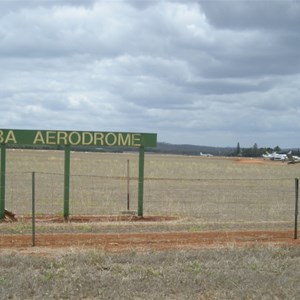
(77, 138)
(74, 138)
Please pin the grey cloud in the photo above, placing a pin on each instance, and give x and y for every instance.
(268, 15)
(223, 86)
(214, 72)
(9, 6)
(142, 5)
(61, 31)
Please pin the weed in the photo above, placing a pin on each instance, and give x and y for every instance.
(194, 266)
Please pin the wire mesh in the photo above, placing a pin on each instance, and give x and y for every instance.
(209, 200)
(246, 203)
(100, 195)
(222, 200)
(215, 194)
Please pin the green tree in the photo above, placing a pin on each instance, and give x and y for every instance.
(277, 149)
(255, 152)
(238, 149)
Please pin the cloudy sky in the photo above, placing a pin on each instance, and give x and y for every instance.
(214, 72)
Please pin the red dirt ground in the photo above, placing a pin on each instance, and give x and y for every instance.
(143, 241)
(152, 241)
(256, 161)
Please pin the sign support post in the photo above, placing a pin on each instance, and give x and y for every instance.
(2, 181)
(141, 181)
(67, 182)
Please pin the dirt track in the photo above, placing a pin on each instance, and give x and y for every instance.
(152, 241)
(164, 240)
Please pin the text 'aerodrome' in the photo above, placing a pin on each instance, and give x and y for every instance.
(75, 138)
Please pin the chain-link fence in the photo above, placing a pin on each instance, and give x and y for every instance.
(220, 203)
(210, 200)
(223, 200)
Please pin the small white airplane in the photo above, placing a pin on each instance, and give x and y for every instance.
(293, 159)
(207, 154)
(276, 156)
(268, 155)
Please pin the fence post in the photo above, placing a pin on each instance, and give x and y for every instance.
(296, 207)
(67, 183)
(2, 181)
(33, 209)
(128, 186)
(141, 181)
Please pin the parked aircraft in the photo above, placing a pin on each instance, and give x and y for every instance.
(293, 159)
(276, 156)
(268, 155)
(207, 154)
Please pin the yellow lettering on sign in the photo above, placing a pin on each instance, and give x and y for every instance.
(39, 138)
(87, 138)
(136, 140)
(98, 138)
(50, 137)
(10, 137)
(107, 139)
(77, 138)
(124, 141)
(62, 138)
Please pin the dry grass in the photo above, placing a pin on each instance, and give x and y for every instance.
(224, 273)
(237, 200)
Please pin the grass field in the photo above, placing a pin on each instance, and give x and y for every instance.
(206, 195)
(223, 273)
(208, 190)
